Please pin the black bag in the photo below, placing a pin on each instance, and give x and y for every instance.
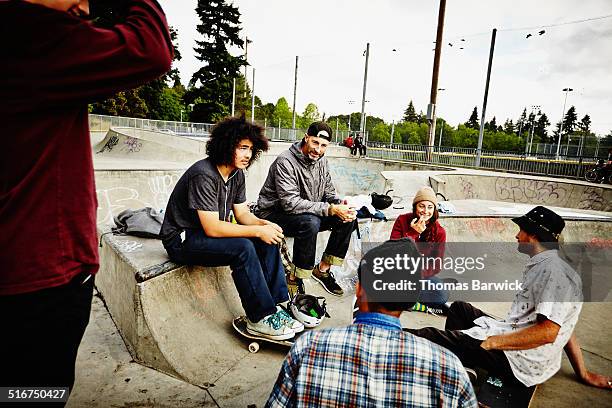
(145, 222)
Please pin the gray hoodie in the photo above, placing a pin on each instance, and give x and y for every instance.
(297, 184)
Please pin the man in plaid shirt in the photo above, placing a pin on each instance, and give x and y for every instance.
(371, 362)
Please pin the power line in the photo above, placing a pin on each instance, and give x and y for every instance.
(558, 24)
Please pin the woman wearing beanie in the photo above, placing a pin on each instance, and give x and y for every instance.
(422, 226)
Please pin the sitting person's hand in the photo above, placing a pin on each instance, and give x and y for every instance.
(343, 211)
(270, 234)
(597, 380)
(418, 224)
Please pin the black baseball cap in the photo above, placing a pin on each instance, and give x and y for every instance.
(320, 129)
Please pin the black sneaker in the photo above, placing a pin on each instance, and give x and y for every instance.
(295, 286)
(328, 281)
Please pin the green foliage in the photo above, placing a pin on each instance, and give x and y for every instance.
(380, 133)
(473, 122)
(311, 114)
(410, 114)
(211, 85)
(570, 120)
(283, 113)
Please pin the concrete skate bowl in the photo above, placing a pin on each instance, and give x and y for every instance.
(137, 168)
(138, 144)
(536, 191)
(177, 319)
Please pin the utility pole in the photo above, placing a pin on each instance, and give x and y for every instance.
(566, 90)
(431, 108)
(365, 82)
(484, 103)
(392, 131)
(294, 92)
(253, 98)
(441, 132)
(233, 97)
(246, 63)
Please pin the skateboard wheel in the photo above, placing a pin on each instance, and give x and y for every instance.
(253, 347)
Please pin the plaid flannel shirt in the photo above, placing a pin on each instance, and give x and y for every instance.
(370, 363)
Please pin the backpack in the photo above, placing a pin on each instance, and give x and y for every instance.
(145, 222)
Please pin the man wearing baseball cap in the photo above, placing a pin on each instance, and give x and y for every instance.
(299, 195)
(526, 347)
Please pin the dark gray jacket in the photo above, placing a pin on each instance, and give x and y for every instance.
(296, 185)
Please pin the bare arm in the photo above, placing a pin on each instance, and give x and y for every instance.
(543, 332)
(215, 228)
(245, 217)
(574, 354)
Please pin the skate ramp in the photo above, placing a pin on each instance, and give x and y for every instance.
(177, 319)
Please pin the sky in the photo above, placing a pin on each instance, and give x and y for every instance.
(330, 37)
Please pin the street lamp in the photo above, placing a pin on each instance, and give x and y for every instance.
(442, 127)
(566, 90)
(529, 141)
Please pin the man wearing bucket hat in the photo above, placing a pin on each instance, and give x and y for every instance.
(526, 347)
(299, 195)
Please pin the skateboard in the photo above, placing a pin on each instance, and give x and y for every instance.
(496, 394)
(240, 325)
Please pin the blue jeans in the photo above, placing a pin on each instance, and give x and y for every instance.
(433, 298)
(304, 229)
(256, 267)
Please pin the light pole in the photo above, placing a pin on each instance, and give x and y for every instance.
(363, 97)
(233, 97)
(531, 128)
(566, 90)
(350, 115)
(441, 128)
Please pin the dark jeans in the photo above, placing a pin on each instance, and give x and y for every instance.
(433, 297)
(461, 316)
(304, 229)
(256, 267)
(41, 333)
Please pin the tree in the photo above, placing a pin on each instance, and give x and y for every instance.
(540, 127)
(473, 120)
(509, 126)
(283, 113)
(492, 125)
(211, 85)
(570, 120)
(522, 121)
(311, 114)
(585, 124)
(410, 114)
(380, 133)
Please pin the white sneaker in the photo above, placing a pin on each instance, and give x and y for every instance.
(289, 321)
(271, 327)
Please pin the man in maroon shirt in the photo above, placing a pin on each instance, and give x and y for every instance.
(53, 63)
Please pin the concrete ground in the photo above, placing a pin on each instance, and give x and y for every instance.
(106, 376)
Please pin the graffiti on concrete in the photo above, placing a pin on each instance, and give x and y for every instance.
(131, 145)
(486, 226)
(110, 143)
(352, 178)
(467, 189)
(128, 246)
(154, 193)
(531, 191)
(593, 199)
(161, 187)
(114, 200)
